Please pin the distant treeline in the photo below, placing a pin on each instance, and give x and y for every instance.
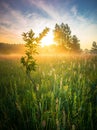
(6, 48)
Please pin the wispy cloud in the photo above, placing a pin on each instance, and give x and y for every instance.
(14, 22)
(49, 8)
(74, 10)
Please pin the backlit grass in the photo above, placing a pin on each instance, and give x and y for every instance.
(65, 97)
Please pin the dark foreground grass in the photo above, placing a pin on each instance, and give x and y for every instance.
(65, 97)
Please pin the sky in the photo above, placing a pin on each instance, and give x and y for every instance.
(18, 16)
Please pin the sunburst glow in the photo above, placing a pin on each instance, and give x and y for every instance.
(48, 39)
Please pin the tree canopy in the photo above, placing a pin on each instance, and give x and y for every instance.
(94, 47)
(64, 39)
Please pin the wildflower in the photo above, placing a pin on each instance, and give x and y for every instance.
(58, 125)
(65, 87)
(64, 118)
(43, 74)
(53, 69)
(73, 127)
(61, 82)
(55, 76)
(57, 100)
(50, 73)
(37, 87)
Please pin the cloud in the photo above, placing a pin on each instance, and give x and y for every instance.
(13, 22)
(74, 10)
(49, 8)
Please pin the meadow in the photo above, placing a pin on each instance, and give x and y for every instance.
(64, 98)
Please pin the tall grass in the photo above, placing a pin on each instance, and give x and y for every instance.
(65, 96)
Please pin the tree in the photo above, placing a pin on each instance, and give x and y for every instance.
(86, 51)
(57, 34)
(94, 47)
(31, 43)
(74, 45)
(62, 35)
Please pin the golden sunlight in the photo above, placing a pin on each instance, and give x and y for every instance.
(48, 39)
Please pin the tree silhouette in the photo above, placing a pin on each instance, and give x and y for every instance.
(31, 43)
(57, 34)
(63, 38)
(62, 35)
(75, 46)
(94, 47)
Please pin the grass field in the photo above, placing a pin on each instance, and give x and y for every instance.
(65, 97)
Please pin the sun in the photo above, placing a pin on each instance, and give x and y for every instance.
(48, 39)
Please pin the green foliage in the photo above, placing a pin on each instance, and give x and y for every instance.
(94, 48)
(31, 43)
(65, 98)
(75, 46)
(62, 35)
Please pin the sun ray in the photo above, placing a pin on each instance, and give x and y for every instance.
(48, 39)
